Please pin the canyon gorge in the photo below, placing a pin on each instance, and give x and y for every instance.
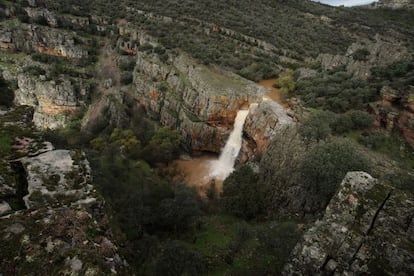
(171, 138)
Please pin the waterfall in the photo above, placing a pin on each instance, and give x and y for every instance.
(222, 167)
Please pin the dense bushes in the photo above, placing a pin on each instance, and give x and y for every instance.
(337, 92)
(176, 259)
(300, 178)
(324, 123)
(361, 54)
(34, 70)
(277, 240)
(324, 167)
(162, 147)
(399, 74)
(242, 194)
(285, 82)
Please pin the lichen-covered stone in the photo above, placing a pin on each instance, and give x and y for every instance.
(54, 103)
(363, 231)
(263, 121)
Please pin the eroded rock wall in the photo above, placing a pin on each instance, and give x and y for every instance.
(200, 101)
(54, 102)
(367, 229)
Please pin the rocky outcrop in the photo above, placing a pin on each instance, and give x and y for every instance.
(361, 56)
(49, 16)
(54, 102)
(62, 222)
(58, 177)
(394, 4)
(33, 38)
(262, 123)
(200, 101)
(395, 111)
(366, 229)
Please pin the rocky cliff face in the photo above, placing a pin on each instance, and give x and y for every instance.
(49, 211)
(361, 56)
(396, 111)
(367, 229)
(54, 102)
(263, 121)
(200, 101)
(34, 38)
(395, 4)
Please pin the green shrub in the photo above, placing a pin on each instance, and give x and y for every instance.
(242, 194)
(127, 66)
(163, 146)
(285, 82)
(6, 143)
(373, 140)
(317, 126)
(361, 54)
(342, 124)
(324, 167)
(34, 70)
(126, 78)
(277, 240)
(176, 259)
(361, 119)
(336, 91)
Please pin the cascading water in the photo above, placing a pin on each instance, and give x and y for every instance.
(221, 168)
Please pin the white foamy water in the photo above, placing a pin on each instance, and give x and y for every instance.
(221, 168)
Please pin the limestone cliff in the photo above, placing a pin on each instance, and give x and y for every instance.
(367, 229)
(361, 56)
(52, 219)
(395, 4)
(54, 101)
(200, 101)
(263, 122)
(41, 39)
(395, 111)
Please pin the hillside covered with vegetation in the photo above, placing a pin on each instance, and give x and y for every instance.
(133, 86)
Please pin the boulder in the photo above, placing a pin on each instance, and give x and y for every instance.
(58, 178)
(364, 231)
(54, 103)
(263, 121)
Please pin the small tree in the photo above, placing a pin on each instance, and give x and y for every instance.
(324, 167)
(317, 127)
(242, 194)
(285, 82)
(176, 259)
(163, 146)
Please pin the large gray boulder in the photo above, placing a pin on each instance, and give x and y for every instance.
(367, 229)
